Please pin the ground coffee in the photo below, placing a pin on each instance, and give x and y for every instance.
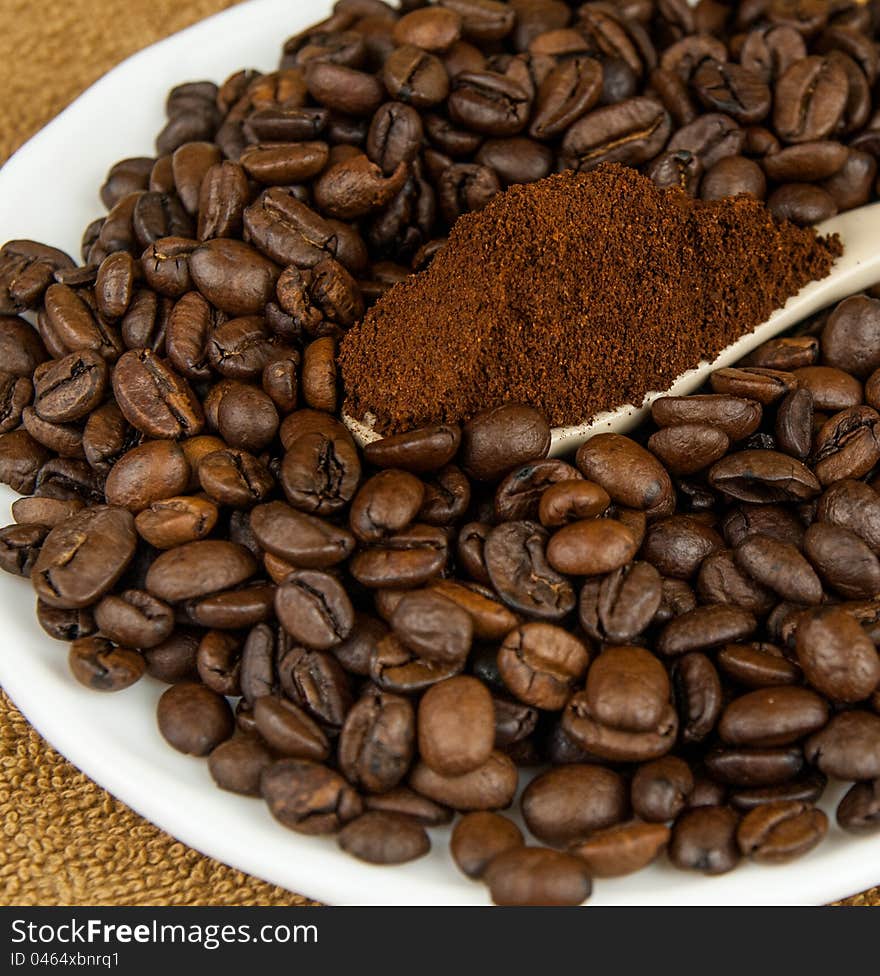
(574, 294)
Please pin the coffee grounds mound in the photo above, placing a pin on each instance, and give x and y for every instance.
(575, 294)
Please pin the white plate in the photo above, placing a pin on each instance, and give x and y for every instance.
(48, 191)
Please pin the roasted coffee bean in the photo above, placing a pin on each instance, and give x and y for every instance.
(146, 474)
(67, 389)
(433, 627)
(859, 810)
(704, 840)
(456, 726)
(622, 849)
(314, 609)
(785, 354)
(233, 276)
(748, 767)
(660, 789)
(218, 662)
(676, 546)
(134, 618)
(624, 713)
(320, 472)
(238, 763)
(385, 504)
(481, 836)
(850, 338)
(619, 607)
(384, 838)
(44, 511)
(847, 445)
(521, 574)
(198, 569)
(688, 448)
(848, 747)
(316, 681)
(406, 559)
(20, 547)
(571, 500)
(288, 730)
(490, 619)
(565, 805)
(403, 800)
(843, 560)
(780, 567)
(175, 521)
(100, 665)
(308, 797)
(84, 556)
(519, 494)
(763, 476)
(153, 398)
(490, 786)
(305, 540)
(630, 132)
(758, 665)
(591, 547)
(377, 742)
(838, 658)
(772, 717)
(646, 487)
(698, 696)
(234, 609)
(235, 478)
(537, 876)
(419, 451)
(810, 98)
(66, 625)
(705, 627)
(522, 430)
(174, 659)
(395, 668)
(193, 719)
(721, 580)
(774, 833)
(736, 417)
(540, 664)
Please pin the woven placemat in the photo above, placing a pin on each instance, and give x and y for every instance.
(64, 840)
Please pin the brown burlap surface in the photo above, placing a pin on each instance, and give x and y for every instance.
(64, 840)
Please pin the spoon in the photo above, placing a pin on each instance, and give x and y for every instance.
(858, 268)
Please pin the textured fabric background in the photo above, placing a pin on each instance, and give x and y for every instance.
(64, 840)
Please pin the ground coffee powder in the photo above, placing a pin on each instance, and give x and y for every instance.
(575, 294)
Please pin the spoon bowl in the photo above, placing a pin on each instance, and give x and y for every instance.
(856, 269)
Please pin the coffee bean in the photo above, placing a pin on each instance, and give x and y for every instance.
(408, 559)
(481, 836)
(419, 451)
(540, 664)
(622, 849)
(620, 606)
(758, 665)
(565, 805)
(523, 431)
(313, 608)
(490, 786)
(537, 876)
(238, 763)
(848, 747)
(772, 717)
(704, 840)
(193, 719)
(100, 665)
(775, 833)
(859, 810)
(377, 741)
(288, 730)
(433, 627)
(705, 627)
(591, 547)
(198, 569)
(308, 797)
(384, 838)
(660, 789)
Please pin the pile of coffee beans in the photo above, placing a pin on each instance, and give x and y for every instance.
(676, 632)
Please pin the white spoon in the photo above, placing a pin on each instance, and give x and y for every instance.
(858, 268)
